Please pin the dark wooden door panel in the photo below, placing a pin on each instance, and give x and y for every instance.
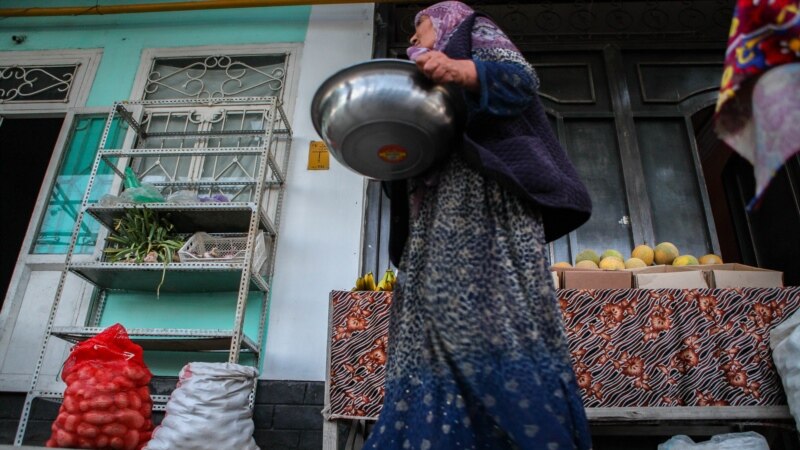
(671, 178)
(572, 82)
(660, 81)
(592, 146)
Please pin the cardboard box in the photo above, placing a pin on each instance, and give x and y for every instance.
(669, 277)
(740, 275)
(572, 278)
(556, 280)
(706, 274)
(596, 279)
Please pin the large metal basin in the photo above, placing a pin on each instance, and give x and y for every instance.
(384, 119)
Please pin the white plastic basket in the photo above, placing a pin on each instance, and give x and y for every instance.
(206, 248)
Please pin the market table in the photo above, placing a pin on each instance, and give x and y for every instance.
(638, 354)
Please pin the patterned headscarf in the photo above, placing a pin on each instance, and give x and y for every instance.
(757, 109)
(447, 16)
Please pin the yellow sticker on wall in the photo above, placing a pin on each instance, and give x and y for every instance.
(318, 156)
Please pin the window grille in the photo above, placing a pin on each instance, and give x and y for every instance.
(217, 77)
(36, 83)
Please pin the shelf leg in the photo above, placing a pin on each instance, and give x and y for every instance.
(23, 419)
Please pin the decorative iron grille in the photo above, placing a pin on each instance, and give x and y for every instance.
(217, 77)
(36, 83)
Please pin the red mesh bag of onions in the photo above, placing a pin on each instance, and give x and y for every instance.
(107, 400)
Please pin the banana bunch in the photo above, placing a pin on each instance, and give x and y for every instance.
(388, 281)
(367, 282)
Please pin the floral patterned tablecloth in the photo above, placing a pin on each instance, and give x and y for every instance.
(630, 347)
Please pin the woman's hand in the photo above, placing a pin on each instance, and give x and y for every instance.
(441, 69)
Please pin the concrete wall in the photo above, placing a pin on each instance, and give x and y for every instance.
(321, 226)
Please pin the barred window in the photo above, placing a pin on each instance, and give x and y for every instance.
(216, 76)
(36, 83)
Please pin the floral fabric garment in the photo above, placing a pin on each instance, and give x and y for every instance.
(478, 357)
(757, 110)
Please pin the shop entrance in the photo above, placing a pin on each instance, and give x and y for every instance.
(26, 146)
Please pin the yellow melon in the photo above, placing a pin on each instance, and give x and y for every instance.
(589, 255)
(586, 264)
(612, 252)
(634, 263)
(685, 260)
(710, 259)
(562, 264)
(665, 253)
(611, 263)
(644, 253)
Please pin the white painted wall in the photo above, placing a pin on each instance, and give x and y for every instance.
(320, 230)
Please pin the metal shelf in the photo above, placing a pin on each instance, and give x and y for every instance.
(262, 180)
(188, 101)
(203, 151)
(165, 339)
(180, 277)
(191, 217)
(159, 401)
(211, 133)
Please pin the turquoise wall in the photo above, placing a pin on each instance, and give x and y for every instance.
(202, 311)
(123, 36)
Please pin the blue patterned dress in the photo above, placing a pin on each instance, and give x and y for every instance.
(478, 357)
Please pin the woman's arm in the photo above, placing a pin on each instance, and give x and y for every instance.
(507, 81)
(498, 79)
(505, 87)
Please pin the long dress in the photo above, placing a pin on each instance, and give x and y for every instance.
(477, 351)
(477, 355)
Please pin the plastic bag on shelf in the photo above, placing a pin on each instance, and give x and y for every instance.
(208, 410)
(217, 198)
(107, 400)
(145, 193)
(109, 200)
(137, 192)
(183, 196)
(749, 440)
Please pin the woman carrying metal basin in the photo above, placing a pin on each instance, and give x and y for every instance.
(478, 357)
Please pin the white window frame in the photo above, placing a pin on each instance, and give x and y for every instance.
(87, 61)
(292, 51)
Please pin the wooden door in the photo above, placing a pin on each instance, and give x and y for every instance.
(625, 119)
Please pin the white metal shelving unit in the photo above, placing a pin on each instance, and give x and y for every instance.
(237, 147)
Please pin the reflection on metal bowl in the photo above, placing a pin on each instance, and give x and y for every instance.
(384, 119)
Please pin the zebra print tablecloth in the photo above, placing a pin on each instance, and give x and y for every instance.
(630, 347)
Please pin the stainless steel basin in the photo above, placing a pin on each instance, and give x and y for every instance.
(384, 119)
